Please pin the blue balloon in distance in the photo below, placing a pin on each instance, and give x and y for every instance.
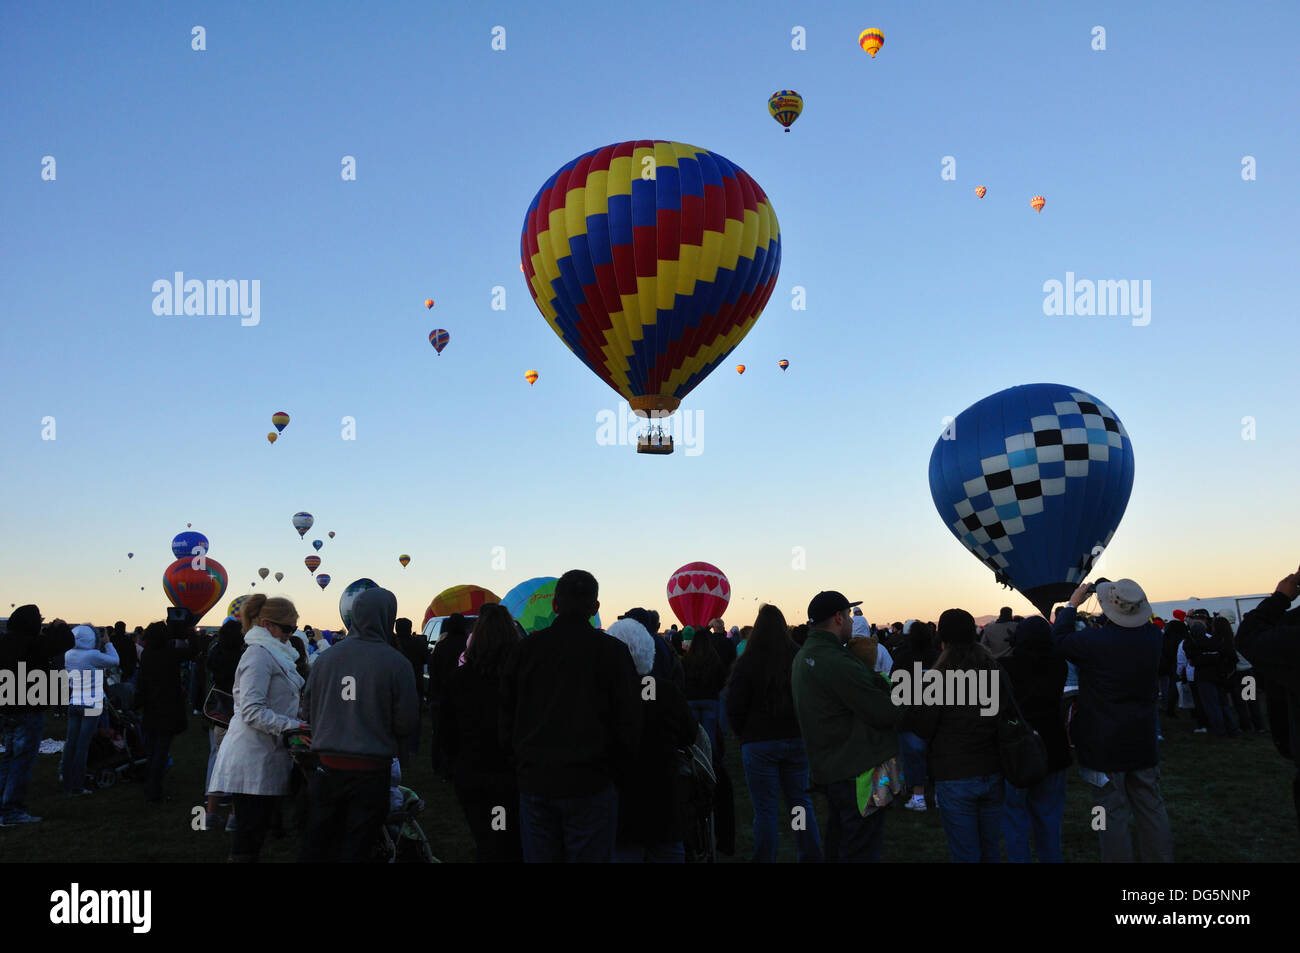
(185, 543)
(1034, 481)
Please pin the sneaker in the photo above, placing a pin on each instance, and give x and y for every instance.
(212, 822)
(22, 818)
(915, 803)
(230, 824)
(1160, 737)
(1201, 731)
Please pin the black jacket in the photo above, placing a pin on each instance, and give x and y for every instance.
(1037, 680)
(760, 712)
(1213, 657)
(159, 692)
(647, 808)
(444, 662)
(22, 644)
(570, 709)
(963, 743)
(467, 727)
(1269, 638)
(222, 662)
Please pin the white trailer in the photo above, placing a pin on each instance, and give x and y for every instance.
(1231, 608)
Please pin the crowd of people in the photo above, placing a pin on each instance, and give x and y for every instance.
(573, 743)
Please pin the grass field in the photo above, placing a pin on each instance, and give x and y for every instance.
(1229, 800)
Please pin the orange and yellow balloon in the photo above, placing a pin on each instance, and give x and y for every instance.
(871, 40)
(785, 105)
(740, 368)
(428, 302)
(404, 560)
(783, 364)
(980, 190)
(531, 377)
(273, 437)
(1038, 202)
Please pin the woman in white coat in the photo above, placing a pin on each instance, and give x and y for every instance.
(253, 766)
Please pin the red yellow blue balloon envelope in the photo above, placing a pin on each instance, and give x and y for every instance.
(783, 364)
(439, 337)
(281, 420)
(785, 105)
(195, 582)
(871, 40)
(531, 377)
(404, 559)
(323, 580)
(651, 260)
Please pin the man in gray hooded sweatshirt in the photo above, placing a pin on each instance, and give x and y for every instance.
(360, 699)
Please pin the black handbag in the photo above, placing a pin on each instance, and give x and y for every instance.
(219, 707)
(1020, 748)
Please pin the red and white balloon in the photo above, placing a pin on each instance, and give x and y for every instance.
(698, 593)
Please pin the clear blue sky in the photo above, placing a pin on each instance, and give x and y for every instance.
(921, 299)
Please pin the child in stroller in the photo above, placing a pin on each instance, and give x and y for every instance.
(401, 839)
(117, 748)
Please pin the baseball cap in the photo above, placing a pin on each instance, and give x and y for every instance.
(825, 604)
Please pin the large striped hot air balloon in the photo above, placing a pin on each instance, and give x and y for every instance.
(439, 337)
(698, 593)
(281, 420)
(871, 40)
(785, 105)
(651, 260)
(1034, 481)
(311, 562)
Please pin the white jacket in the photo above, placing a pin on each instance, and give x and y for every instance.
(82, 662)
(252, 758)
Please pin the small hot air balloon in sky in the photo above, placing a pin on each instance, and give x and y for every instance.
(1034, 484)
(980, 190)
(312, 562)
(279, 576)
(1038, 202)
(439, 337)
(331, 534)
(698, 593)
(872, 40)
(783, 364)
(281, 420)
(654, 313)
(785, 105)
(130, 555)
(317, 544)
(264, 572)
(531, 377)
(428, 302)
(740, 368)
(302, 522)
(272, 437)
(404, 560)
(323, 580)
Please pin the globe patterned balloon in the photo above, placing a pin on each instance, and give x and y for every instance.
(350, 596)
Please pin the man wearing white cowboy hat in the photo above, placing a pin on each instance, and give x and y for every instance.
(1114, 730)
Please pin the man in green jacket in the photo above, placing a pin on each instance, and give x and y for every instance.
(849, 726)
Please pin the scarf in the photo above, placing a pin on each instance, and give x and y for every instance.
(282, 652)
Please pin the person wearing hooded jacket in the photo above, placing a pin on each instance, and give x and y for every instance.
(85, 663)
(361, 701)
(1269, 638)
(20, 724)
(253, 765)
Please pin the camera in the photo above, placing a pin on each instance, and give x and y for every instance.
(1092, 586)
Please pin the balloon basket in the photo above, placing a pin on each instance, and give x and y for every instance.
(658, 443)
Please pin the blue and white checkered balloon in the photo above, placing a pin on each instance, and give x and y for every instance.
(1034, 481)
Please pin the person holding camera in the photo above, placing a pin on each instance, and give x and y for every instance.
(86, 663)
(253, 765)
(1115, 724)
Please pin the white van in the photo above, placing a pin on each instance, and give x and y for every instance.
(1232, 608)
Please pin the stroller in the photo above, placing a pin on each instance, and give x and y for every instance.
(401, 839)
(695, 789)
(117, 748)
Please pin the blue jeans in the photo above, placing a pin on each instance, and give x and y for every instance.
(665, 853)
(971, 810)
(772, 767)
(911, 750)
(22, 739)
(850, 837)
(706, 712)
(1040, 807)
(81, 728)
(1217, 708)
(575, 830)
